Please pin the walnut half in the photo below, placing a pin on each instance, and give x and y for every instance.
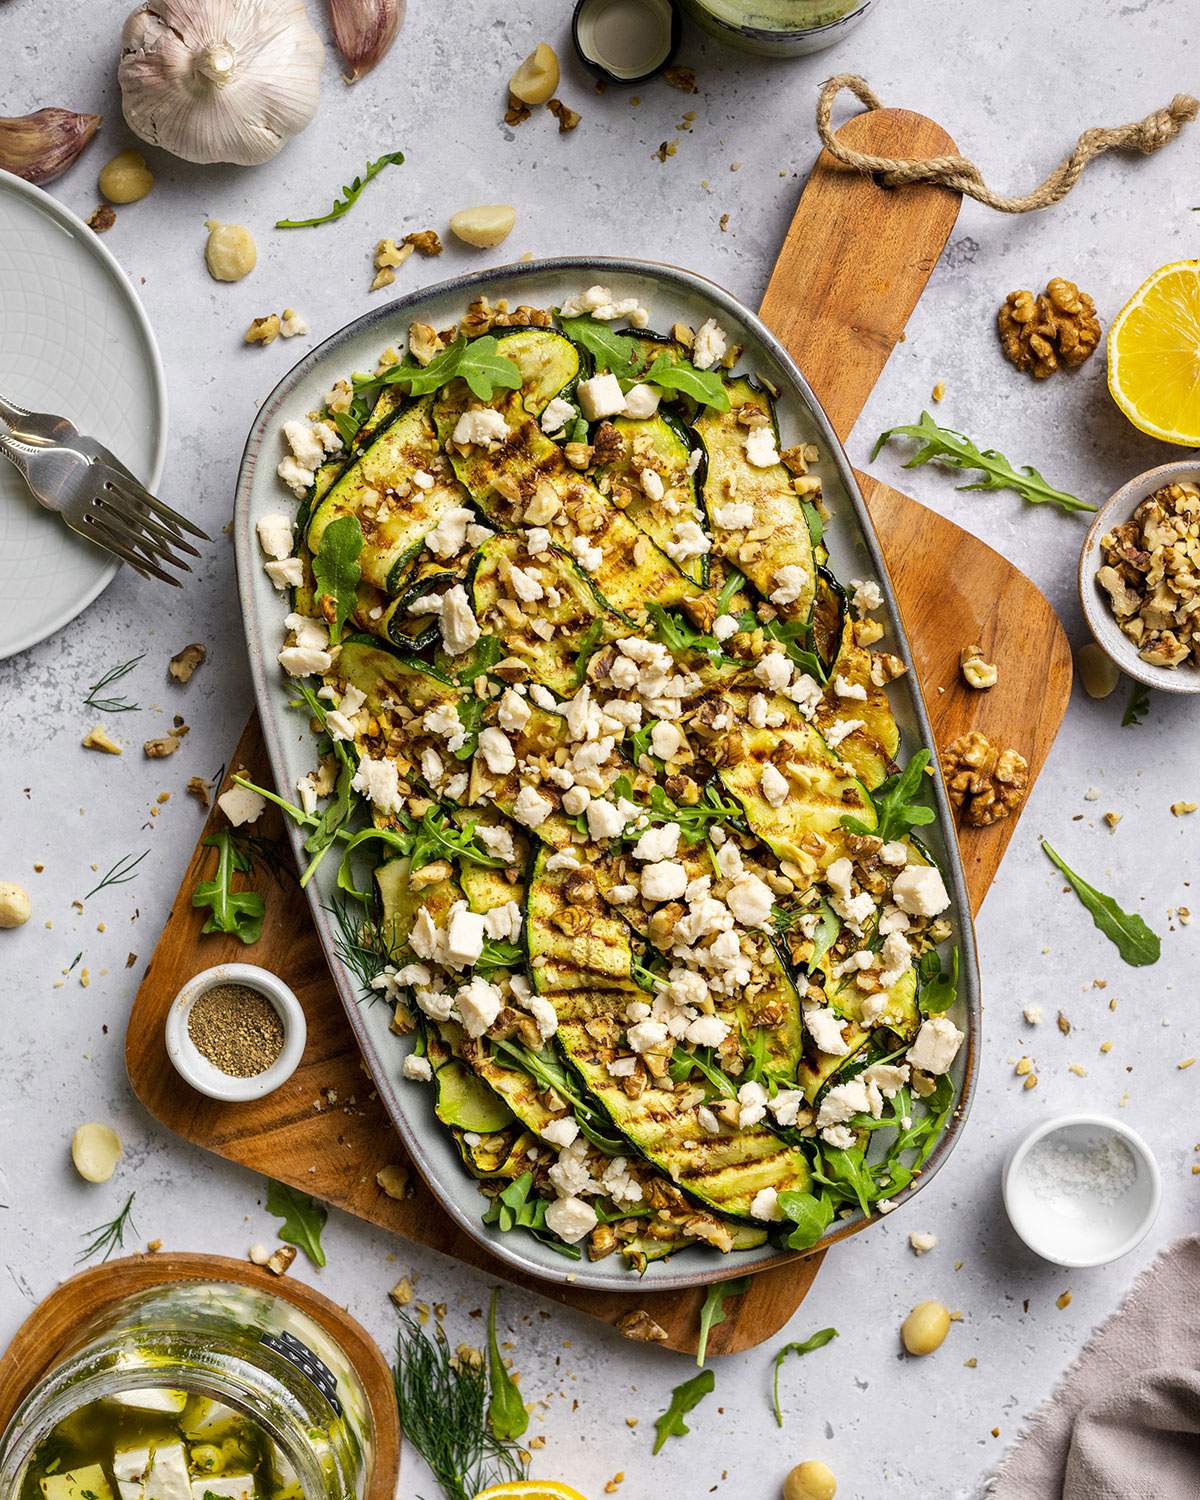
(1057, 329)
(986, 783)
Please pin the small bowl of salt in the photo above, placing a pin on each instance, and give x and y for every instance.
(1081, 1190)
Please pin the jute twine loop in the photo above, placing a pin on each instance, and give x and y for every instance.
(965, 177)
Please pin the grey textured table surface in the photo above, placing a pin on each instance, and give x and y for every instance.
(1013, 82)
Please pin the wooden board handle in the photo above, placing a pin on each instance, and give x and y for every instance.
(855, 261)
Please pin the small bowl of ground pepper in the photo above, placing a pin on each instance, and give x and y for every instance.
(235, 1032)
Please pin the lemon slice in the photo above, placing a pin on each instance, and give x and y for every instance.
(530, 1489)
(1154, 355)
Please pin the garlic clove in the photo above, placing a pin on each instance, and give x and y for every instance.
(484, 226)
(212, 81)
(96, 1149)
(41, 146)
(537, 77)
(364, 30)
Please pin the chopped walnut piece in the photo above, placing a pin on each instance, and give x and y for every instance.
(102, 219)
(424, 241)
(184, 663)
(977, 672)
(641, 1326)
(683, 79)
(165, 745)
(567, 117)
(262, 330)
(1059, 327)
(279, 1261)
(423, 342)
(986, 783)
(197, 787)
(516, 112)
(578, 455)
(1151, 573)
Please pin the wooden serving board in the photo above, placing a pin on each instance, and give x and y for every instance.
(851, 270)
(53, 1330)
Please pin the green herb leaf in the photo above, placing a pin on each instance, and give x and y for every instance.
(114, 674)
(685, 1063)
(470, 716)
(615, 352)
(680, 375)
(817, 1340)
(825, 934)
(237, 912)
(684, 1398)
(476, 361)
(336, 570)
(589, 644)
(121, 873)
(811, 1213)
(895, 811)
(109, 1237)
(1138, 706)
(303, 1218)
(713, 1311)
(816, 526)
(350, 194)
(1134, 941)
(442, 1402)
(941, 990)
(958, 452)
(486, 652)
(507, 1416)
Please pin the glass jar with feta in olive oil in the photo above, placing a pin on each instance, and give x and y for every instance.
(199, 1390)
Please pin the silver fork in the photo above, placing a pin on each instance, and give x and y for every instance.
(97, 496)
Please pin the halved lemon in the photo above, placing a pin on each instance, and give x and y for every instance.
(1154, 355)
(530, 1489)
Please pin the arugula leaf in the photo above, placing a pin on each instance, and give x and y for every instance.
(825, 934)
(303, 1218)
(474, 360)
(485, 653)
(639, 742)
(336, 570)
(1134, 941)
(811, 1213)
(713, 1311)
(589, 644)
(544, 1068)
(498, 953)
(733, 582)
(400, 842)
(959, 452)
(506, 1415)
(705, 386)
(846, 1170)
(817, 1340)
(331, 825)
(349, 422)
(237, 912)
(685, 1063)
(351, 193)
(1138, 706)
(438, 837)
(939, 991)
(816, 526)
(684, 1398)
(515, 1208)
(470, 716)
(895, 812)
(615, 352)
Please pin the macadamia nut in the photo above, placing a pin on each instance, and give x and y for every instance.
(230, 252)
(126, 178)
(15, 905)
(925, 1328)
(96, 1150)
(811, 1480)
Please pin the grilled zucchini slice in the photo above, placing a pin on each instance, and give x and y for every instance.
(731, 478)
(573, 945)
(660, 442)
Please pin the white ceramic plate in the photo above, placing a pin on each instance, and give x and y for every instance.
(670, 295)
(73, 340)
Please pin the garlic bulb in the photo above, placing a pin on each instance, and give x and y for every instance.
(219, 80)
(364, 30)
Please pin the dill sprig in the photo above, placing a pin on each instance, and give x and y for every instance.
(114, 674)
(124, 870)
(443, 1405)
(361, 945)
(108, 1237)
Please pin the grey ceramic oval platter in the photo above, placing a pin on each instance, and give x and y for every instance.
(671, 295)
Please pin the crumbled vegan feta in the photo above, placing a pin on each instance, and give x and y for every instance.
(497, 752)
(286, 573)
(689, 541)
(761, 448)
(588, 557)
(710, 345)
(664, 881)
(417, 1069)
(790, 582)
(496, 840)
(837, 732)
(766, 1206)
(460, 629)
(479, 1002)
(773, 670)
(825, 1028)
(449, 536)
(641, 402)
(920, 891)
(379, 783)
(936, 1045)
(774, 785)
(571, 1219)
(735, 515)
(600, 396)
(652, 484)
(557, 414)
(599, 303)
(531, 808)
(844, 688)
(749, 900)
(481, 426)
(867, 595)
(275, 534)
(240, 805)
(560, 1133)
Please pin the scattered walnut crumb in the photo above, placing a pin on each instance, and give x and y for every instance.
(517, 111)
(641, 1326)
(100, 739)
(1106, 1047)
(1113, 818)
(197, 787)
(921, 1243)
(102, 219)
(970, 1364)
(977, 672)
(1078, 1069)
(279, 1261)
(164, 745)
(1033, 1014)
(292, 324)
(683, 79)
(1063, 1024)
(424, 241)
(153, 1246)
(666, 149)
(1031, 1082)
(939, 391)
(1024, 1067)
(567, 117)
(1181, 809)
(723, 223)
(1063, 1299)
(184, 663)
(262, 330)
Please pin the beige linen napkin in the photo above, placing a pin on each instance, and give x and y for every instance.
(1125, 1422)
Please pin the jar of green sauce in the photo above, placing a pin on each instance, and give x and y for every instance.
(198, 1390)
(779, 28)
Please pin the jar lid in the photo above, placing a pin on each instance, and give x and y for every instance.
(625, 41)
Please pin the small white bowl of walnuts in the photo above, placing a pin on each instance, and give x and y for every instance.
(1139, 577)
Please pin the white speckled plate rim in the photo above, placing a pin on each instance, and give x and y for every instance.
(86, 242)
(289, 741)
